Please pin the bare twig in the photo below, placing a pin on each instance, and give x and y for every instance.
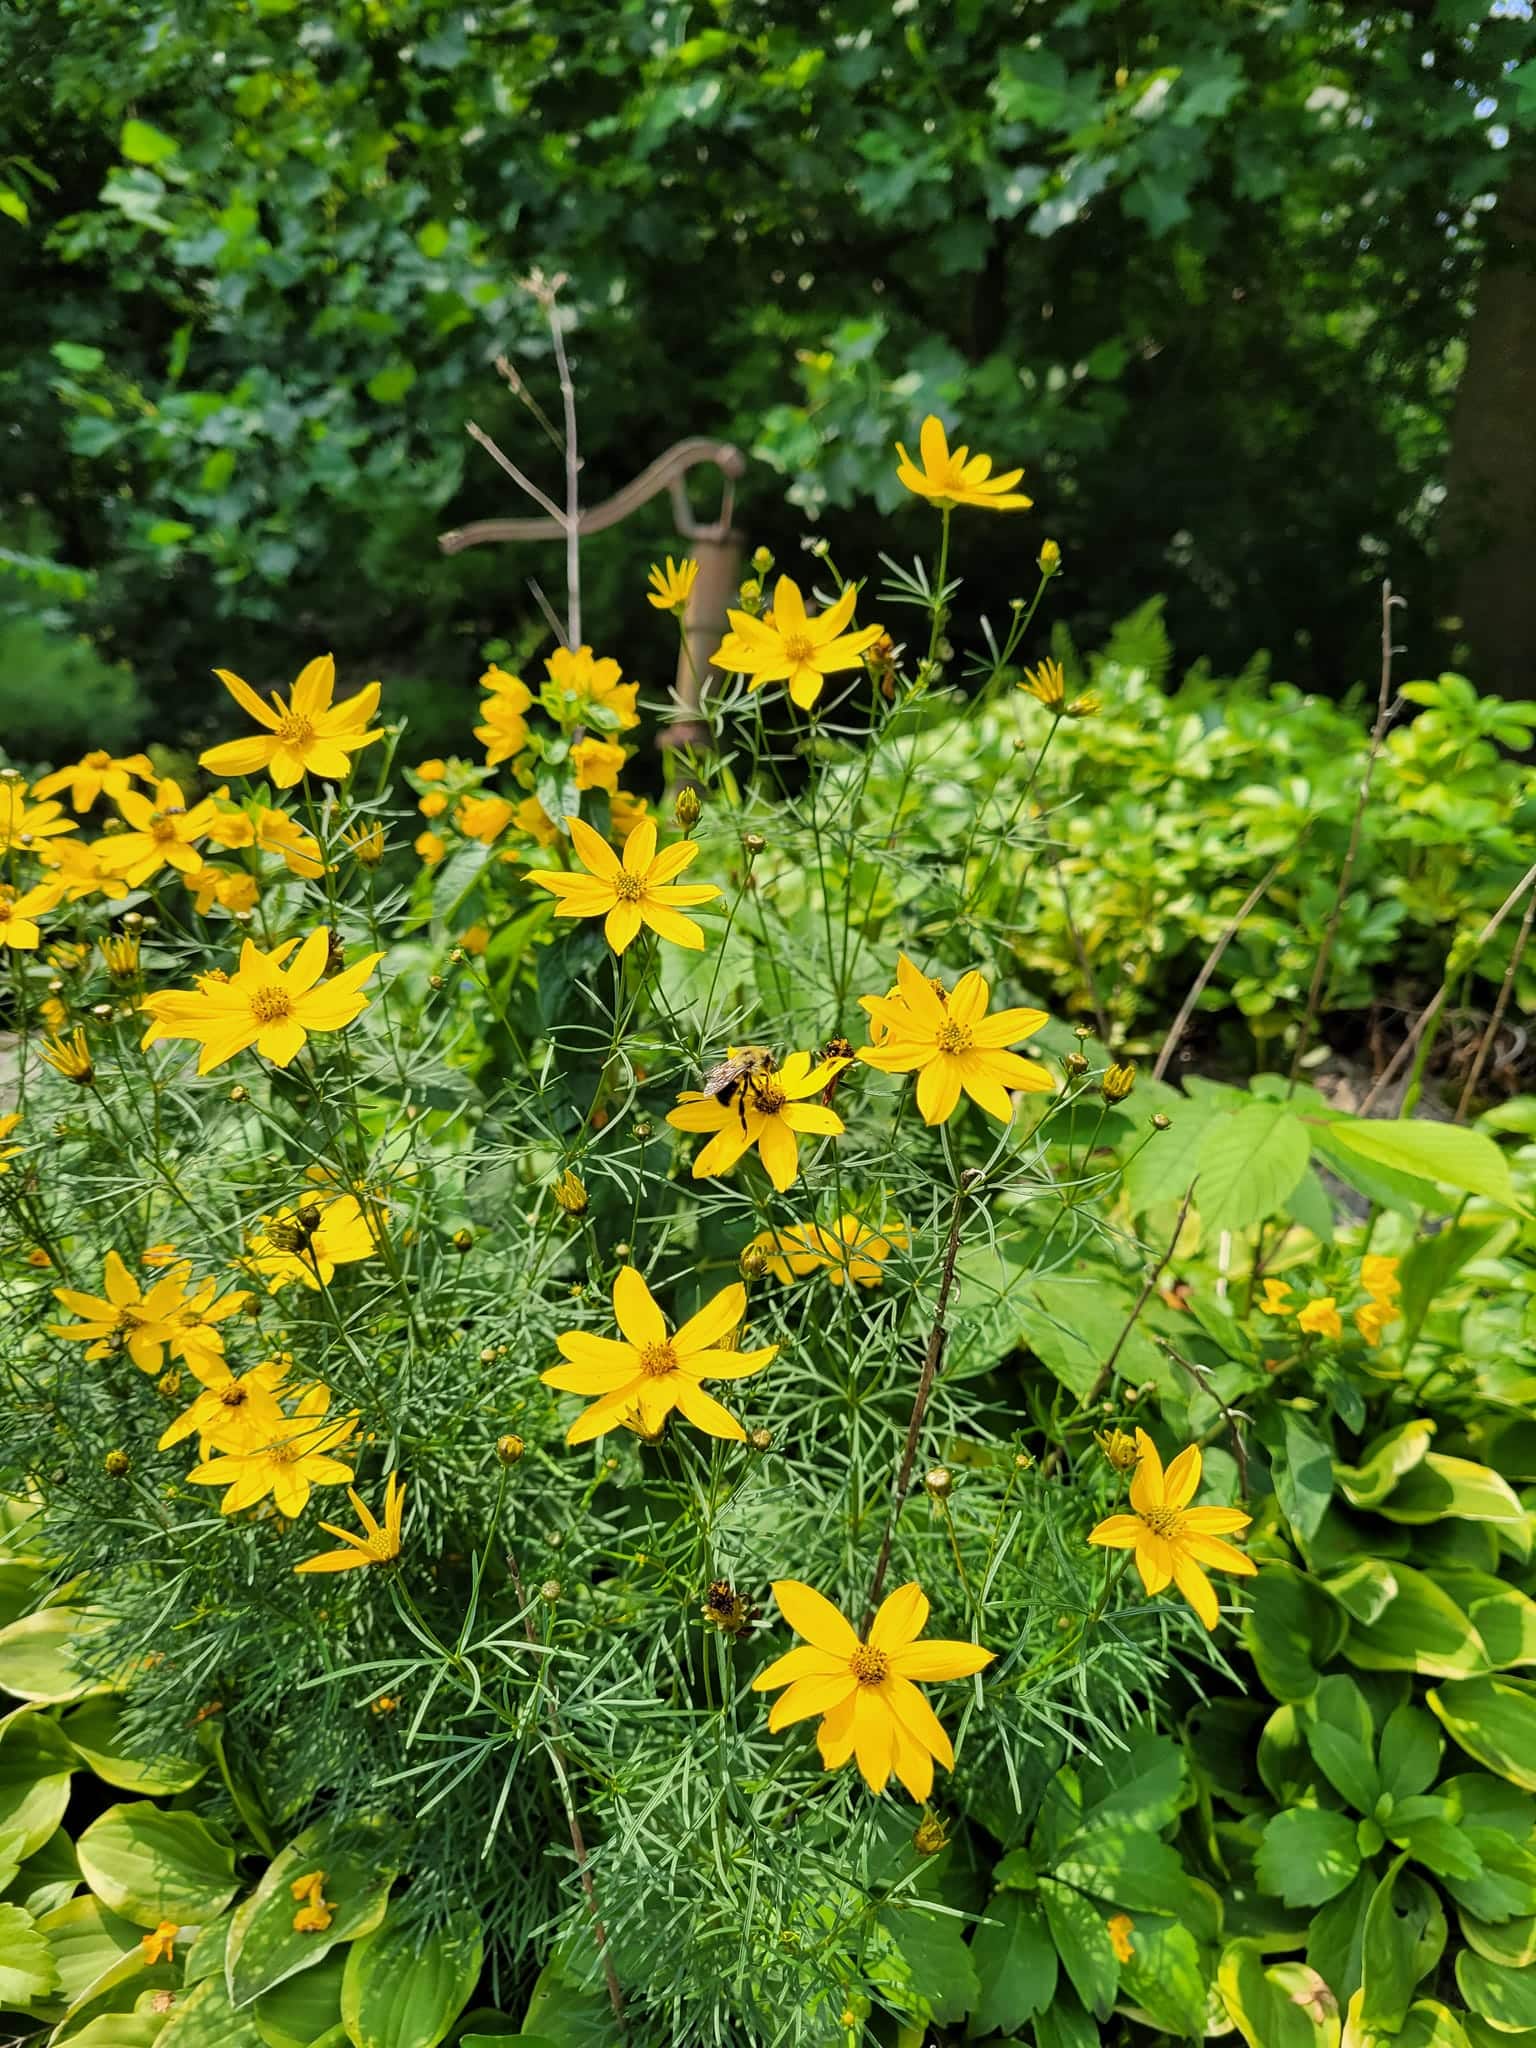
(931, 1361)
(1436, 1003)
(1212, 961)
(524, 483)
(512, 376)
(1084, 966)
(1506, 990)
(1385, 711)
(572, 480)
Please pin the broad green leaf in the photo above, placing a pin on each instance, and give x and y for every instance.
(1384, 1463)
(1447, 1153)
(1307, 1855)
(1431, 2025)
(36, 1655)
(567, 2015)
(935, 1957)
(87, 1941)
(1432, 1263)
(1420, 1629)
(205, 2019)
(389, 385)
(120, 2030)
(1303, 1475)
(35, 1767)
(1074, 1325)
(1144, 1784)
(93, 1729)
(1440, 1489)
(1404, 1936)
(1411, 1749)
(302, 2007)
(1125, 1866)
(1286, 2005)
(264, 1946)
(1494, 1720)
(28, 1972)
(403, 1987)
(150, 1864)
(1165, 1977)
(1064, 2024)
(1291, 1630)
(1505, 1998)
(1504, 1886)
(1249, 1165)
(1015, 1963)
(1510, 1942)
(1080, 1931)
(1503, 1616)
(49, 1877)
(1336, 1726)
(143, 144)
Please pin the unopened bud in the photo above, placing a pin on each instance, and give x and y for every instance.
(643, 1128)
(762, 560)
(550, 1590)
(1049, 558)
(463, 1241)
(1161, 1122)
(435, 981)
(939, 1484)
(508, 1448)
(930, 1836)
(1075, 1065)
(754, 842)
(753, 1263)
(1118, 1081)
(761, 1439)
(688, 807)
(570, 1193)
(239, 1093)
(117, 1464)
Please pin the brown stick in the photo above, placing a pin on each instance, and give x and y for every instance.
(1385, 709)
(1436, 1003)
(931, 1361)
(1506, 990)
(1212, 961)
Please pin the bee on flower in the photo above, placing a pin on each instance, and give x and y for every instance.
(308, 1241)
(770, 1111)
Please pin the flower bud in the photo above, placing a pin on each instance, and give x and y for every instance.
(939, 1484)
(931, 1835)
(754, 842)
(688, 807)
(1049, 559)
(753, 1263)
(239, 1093)
(509, 1449)
(761, 1440)
(550, 1590)
(1161, 1122)
(1088, 705)
(570, 1193)
(643, 1128)
(762, 560)
(1119, 1449)
(1118, 1081)
(463, 1241)
(117, 1464)
(1074, 1065)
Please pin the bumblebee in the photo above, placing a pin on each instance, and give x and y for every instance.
(738, 1076)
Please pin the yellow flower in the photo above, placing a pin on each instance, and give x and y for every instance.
(70, 1057)
(433, 804)
(1047, 683)
(23, 824)
(79, 867)
(306, 736)
(435, 769)
(276, 832)
(476, 939)
(1170, 1539)
(1372, 1319)
(375, 1546)
(128, 1319)
(639, 890)
(953, 1044)
(159, 1947)
(263, 1004)
(314, 1914)
(1274, 1302)
(1121, 1927)
(957, 478)
(232, 1412)
(1378, 1276)
(1321, 1318)
(625, 812)
(159, 1255)
(1049, 559)
(789, 646)
(670, 587)
(598, 764)
(483, 817)
(640, 1381)
(570, 1193)
(865, 1691)
(95, 774)
(366, 842)
(849, 1249)
(231, 888)
(579, 684)
(9, 1152)
(429, 848)
(766, 1111)
(285, 1464)
(1119, 1449)
(308, 1242)
(504, 730)
(19, 915)
(162, 833)
(532, 818)
(120, 952)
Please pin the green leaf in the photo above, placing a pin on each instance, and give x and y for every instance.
(1303, 1476)
(1307, 1855)
(1337, 1727)
(1505, 1998)
(205, 2019)
(1420, 1628)
(1432, 1263)
(86, 1941)
(1437, 1842)
(1081, 1933)
(1144, 1784)
(1385, 1462)
(1291, 1630)
(302, 2007)
(1074, 1325)
(1065, 2025)
(142, 144)
(1410, 1752)
(27, 1969)
(150, 1864)
(93, 1730)
(1404, 1936)
(1015, 1963)
(37, 1660)
(35, 1767)
(567, 2015)
(77, 357)
(1504, 1887)
(389, 385)
(1249, 1165)
(404, 1986)
(264, 1946)
(1441, 1489)
(932, 1945)
(1284, 2006)
(1493, 1720)
(1165, 1977)
(1125, 1866)
(1447, 1153)
(1431, 2025)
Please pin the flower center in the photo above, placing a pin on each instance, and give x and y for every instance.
(953, 1038)
(798, 647)
(234, 1395)
(869, 1666)
(627, 887)
(284, 1453)
(1165, 1522)
(767, 1097)
(97, 759)
(162, 828)
(271, 1005)
(656, 1360)
(295, 731)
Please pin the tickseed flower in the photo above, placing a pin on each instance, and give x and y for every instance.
(483, 817)
(640, 1380)
(1170, 1539)
(129, 1319)
(1088, 705)
(264, 1004)
(69, 1057)
(310, 1241)
(314, 1914)
(79, 867)
(377, 1545)
(598, 764)
(231, 888)
(24, 824)
(768, 1112)
(162, 832)
(429, 848)
(120, 951)
(19, 928)
(1274, 1302)
(433, 804)
(958, 477)
(287, 1463)
(1047, 683)
(233, 1412)
(1118, 1448)
(865, 1691)
(366, 842)
(1321, 1319)
(93, 775)
(1120, 1927)
(953, 1044)
(1049, 559)
(625, 812)
(790, 646)
(159, 1255)
(580, 686)
(306, 736)
(276, 832)
(1378, 1276)
(160, 1947)
(570, 1193)
(9, 1152)
(849, 1249)
(670, 587)
(504, 728)
(637, 891)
